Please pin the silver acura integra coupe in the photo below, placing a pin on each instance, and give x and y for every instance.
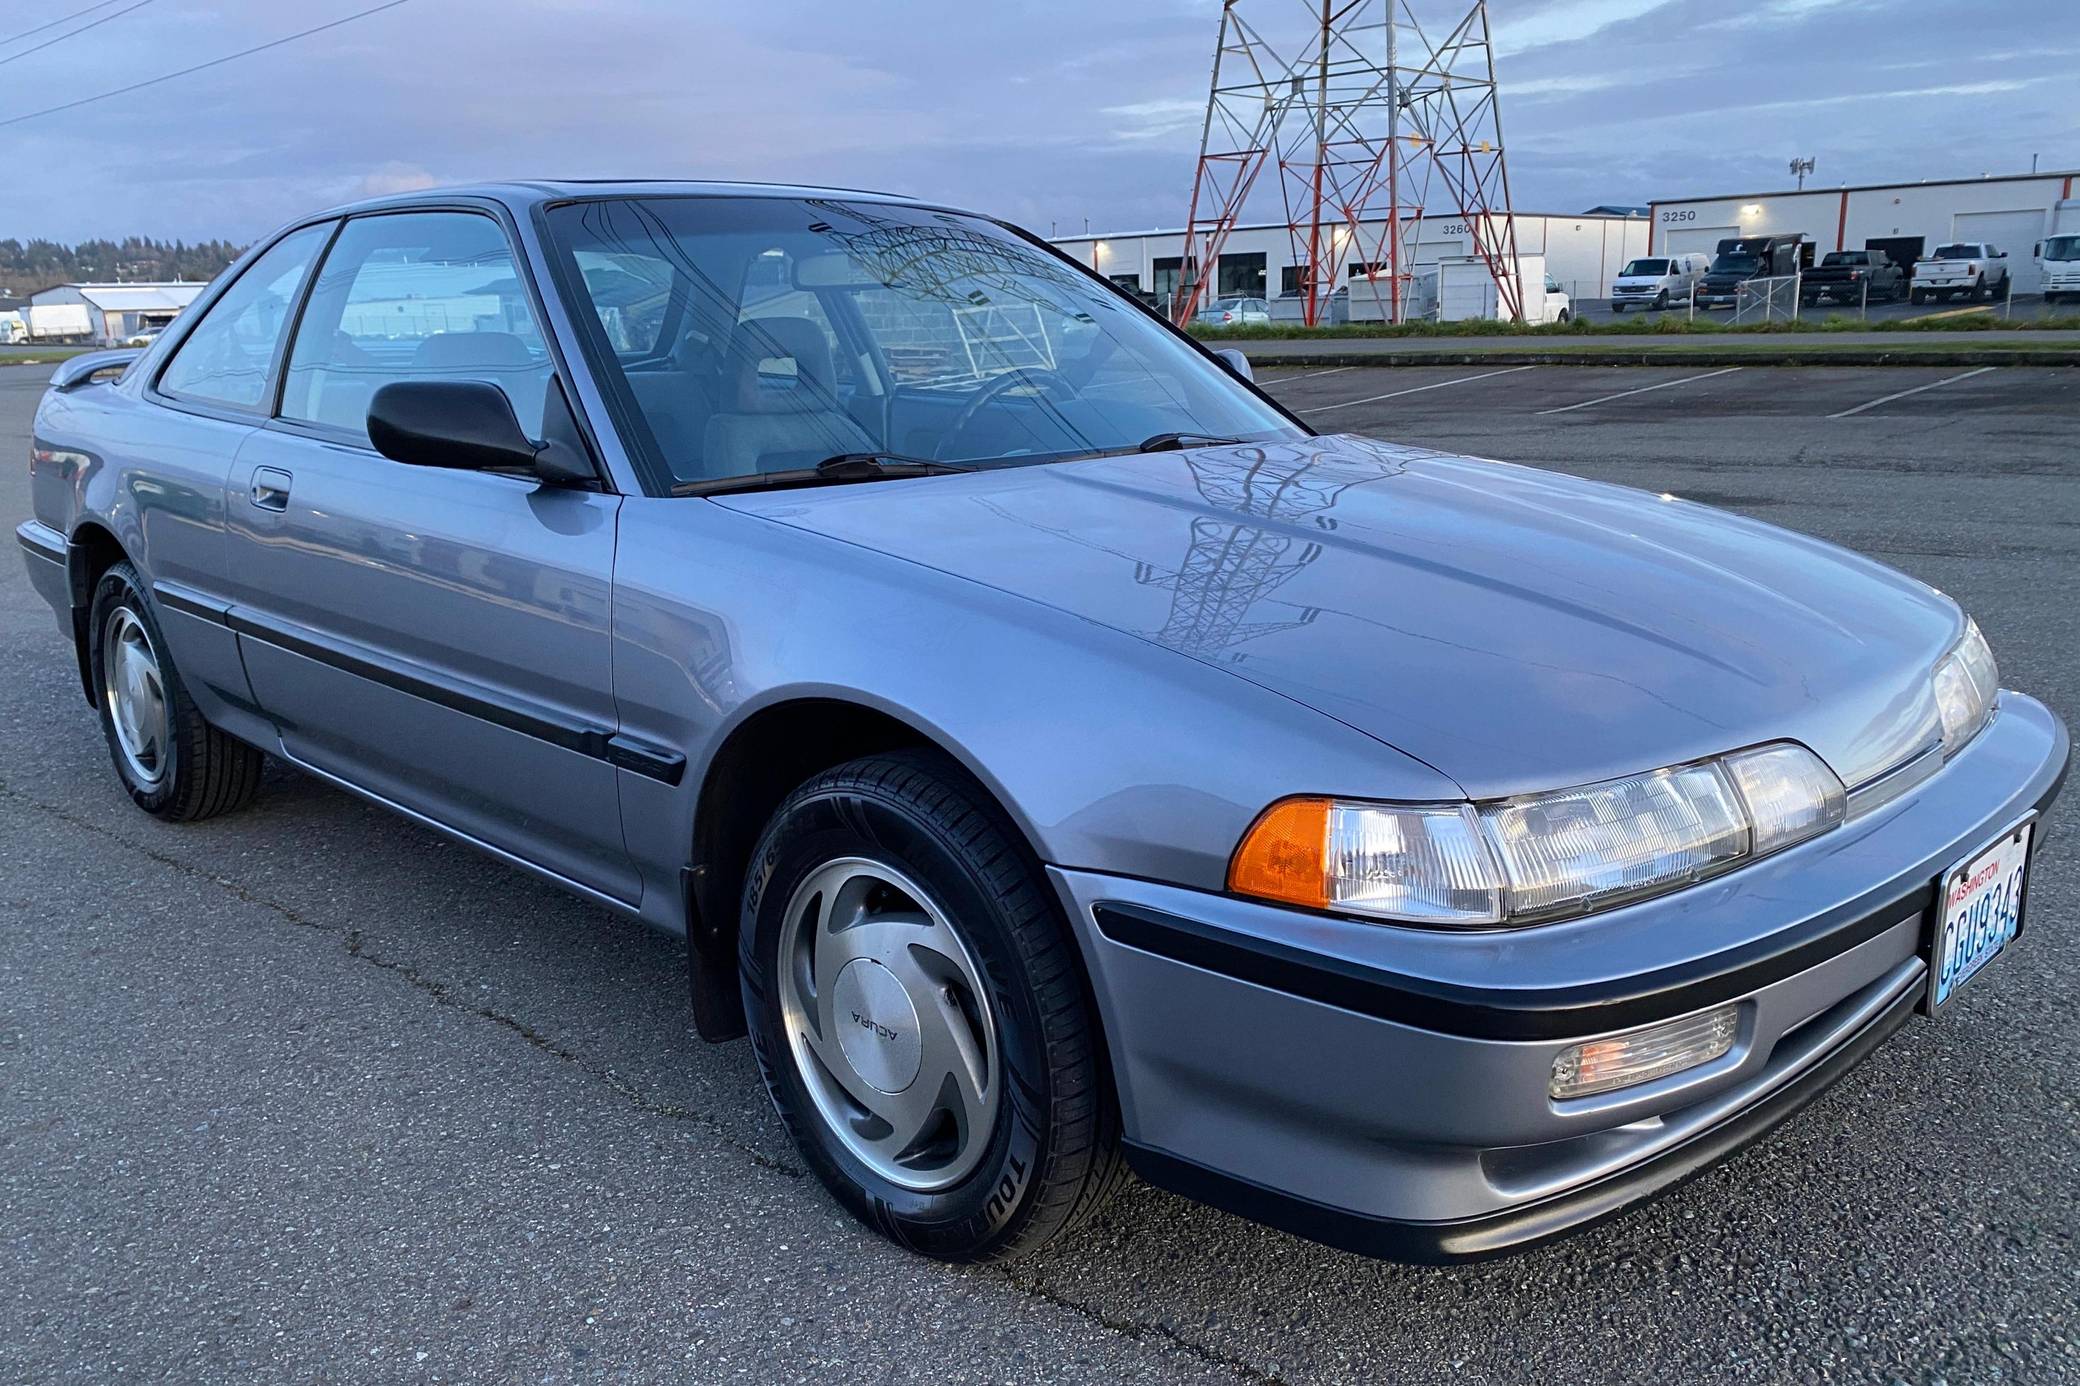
(1058, 756)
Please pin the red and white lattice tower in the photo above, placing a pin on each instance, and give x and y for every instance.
(1372, 112)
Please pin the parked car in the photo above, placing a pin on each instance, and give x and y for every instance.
(1233, 312)
(1745, 258)
(1556, 305)
(143, 337)
(1050, 746)
(1854, 276)
(1962, 269)
(1656, 281)
(2058, 262)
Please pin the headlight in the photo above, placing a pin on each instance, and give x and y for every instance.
(1573, 850)
(1965, 681)
(1422, 863)
(1789, 793)
(1537, 856)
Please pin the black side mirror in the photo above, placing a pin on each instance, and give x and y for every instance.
(467, 424)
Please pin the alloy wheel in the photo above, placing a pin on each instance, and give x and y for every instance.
(888, 1023)
(134, 689)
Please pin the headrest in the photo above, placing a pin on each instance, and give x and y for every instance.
(451, 351)
(780, 365)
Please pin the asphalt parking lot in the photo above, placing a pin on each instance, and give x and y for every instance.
(310, 1094)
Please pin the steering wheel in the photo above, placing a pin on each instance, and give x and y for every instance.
(1051, 384)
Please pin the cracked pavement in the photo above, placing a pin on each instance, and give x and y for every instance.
(309, 1093)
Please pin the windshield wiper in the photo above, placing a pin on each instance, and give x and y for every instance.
(1177, 442)
(831, 471)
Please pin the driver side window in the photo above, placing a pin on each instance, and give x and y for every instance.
(415, 296)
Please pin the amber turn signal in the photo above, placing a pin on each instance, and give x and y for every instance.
(1285, 854)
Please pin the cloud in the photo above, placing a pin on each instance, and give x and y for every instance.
(394, 178)
(1041, 113)
(1151, 120)
(1564, 22)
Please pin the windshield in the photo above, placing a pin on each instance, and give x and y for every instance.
(2062, 248)
(1842, 257)
(1735, 264)
(763, 334)
(1654, 268)
(1959, 252)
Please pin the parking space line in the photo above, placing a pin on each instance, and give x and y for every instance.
(1416, 389)
(1288, 379)
(1605, 399)
(1918, 389)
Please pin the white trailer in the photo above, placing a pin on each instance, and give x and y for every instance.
(57, 321)
(1466, 288)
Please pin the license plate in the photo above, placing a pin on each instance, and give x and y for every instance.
(1979, 910)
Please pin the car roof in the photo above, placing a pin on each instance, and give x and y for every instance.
(522, 194)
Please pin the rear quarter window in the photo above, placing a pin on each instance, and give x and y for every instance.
(227, 360)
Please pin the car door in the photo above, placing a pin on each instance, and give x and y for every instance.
(437, 638)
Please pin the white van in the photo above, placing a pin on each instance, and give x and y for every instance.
(1655, 281)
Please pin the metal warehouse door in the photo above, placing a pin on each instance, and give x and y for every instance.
(2015, 232)
(1700, 240)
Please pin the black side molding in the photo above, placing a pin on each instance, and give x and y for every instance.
(1532, 1224)
(1498, 1013)
(601, 743)
(189, 602)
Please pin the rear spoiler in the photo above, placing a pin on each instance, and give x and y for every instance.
(92, 367)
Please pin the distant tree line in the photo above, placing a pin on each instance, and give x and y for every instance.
(38, 264)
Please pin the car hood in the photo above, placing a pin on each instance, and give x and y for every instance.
(1515, 629)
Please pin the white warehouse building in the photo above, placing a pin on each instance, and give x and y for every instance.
(1906, 220)
(1583, 252)
(105, 313)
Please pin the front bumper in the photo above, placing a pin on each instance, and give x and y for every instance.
(1384, 1089)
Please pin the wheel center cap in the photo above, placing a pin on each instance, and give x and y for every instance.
(877, 1025)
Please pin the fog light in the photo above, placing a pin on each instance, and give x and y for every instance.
(1620, 1061)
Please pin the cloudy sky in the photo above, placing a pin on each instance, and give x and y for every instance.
(1048, 113)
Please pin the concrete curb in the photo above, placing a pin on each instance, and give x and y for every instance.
(1680, 356)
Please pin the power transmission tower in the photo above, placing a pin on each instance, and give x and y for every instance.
(1361, 110)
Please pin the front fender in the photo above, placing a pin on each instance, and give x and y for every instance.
(1110, 753)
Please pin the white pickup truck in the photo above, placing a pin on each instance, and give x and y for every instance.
(1962, 269)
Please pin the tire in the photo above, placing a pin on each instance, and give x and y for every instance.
(1617, 309)
(1917, 296)
(174, 764)
(972, 941)
(1661, 300)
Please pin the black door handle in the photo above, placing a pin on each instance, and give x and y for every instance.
(270, 488)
